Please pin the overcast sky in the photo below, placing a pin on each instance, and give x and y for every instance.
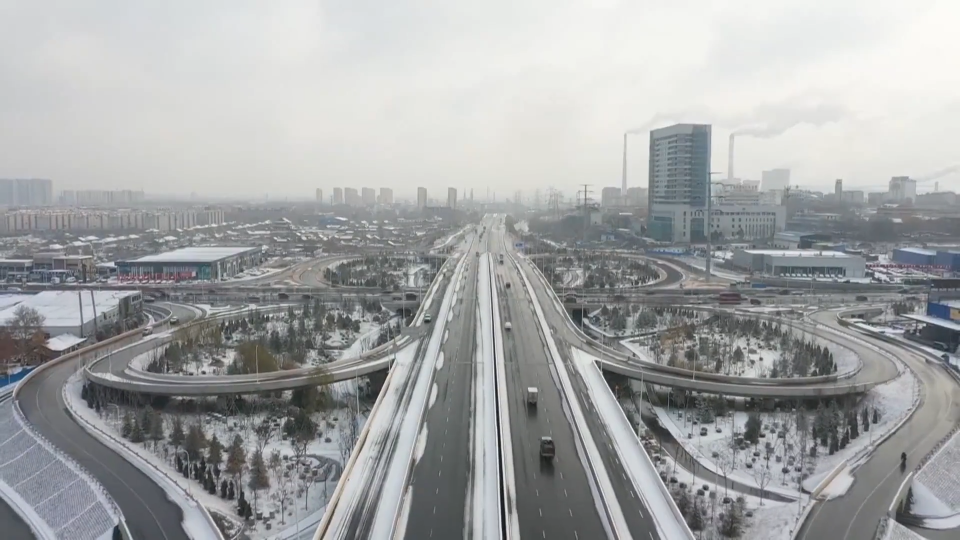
(246, 97)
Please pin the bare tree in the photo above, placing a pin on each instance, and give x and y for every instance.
(762, 474)
(726, 465)
(26, 329)
(264, 433)
(282, 478)
(349, 433)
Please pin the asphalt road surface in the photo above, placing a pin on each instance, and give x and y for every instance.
(441, 477)
(855, 515)
(148, 512)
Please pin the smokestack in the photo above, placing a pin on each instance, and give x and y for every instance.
(623, 189)
(730, 159)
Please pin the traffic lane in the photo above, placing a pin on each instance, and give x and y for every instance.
(877, 481)
(440, 477)
(554, 500)
(638, 517)
(147, 510)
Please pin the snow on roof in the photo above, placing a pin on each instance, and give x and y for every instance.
(195, 254)
(63, 342)
(942, 323)
(62, 308)
(813, 253)
(10, 300)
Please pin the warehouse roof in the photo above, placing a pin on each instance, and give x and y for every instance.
(919, 251)
(813, 253)
(195, 254)
(62, 308)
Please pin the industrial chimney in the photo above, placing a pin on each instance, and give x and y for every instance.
(730, 160)
(623, 189)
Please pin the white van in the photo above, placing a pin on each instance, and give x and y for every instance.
(507, 327)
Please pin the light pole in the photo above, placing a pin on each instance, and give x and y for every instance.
(709, 227)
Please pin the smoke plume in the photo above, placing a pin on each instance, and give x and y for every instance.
(773, 120)
(938, 174)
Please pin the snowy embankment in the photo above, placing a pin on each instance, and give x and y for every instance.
(603, 489)
(197, 522)
(636, 462)
(508, 491)
(483, 501)
(936, 488)
(374, 472)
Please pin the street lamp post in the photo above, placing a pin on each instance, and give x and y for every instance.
(709, 226)
(187, 455)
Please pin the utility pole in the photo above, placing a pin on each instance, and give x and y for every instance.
(709, 224)
(586, 210)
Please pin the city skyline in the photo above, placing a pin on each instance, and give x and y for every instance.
(402, 112)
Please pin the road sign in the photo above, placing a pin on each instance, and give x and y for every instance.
(518, 245)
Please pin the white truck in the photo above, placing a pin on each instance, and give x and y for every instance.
(532, 395)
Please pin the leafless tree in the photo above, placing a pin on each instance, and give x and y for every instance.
(25, 328)
(282, 479)
(264, 433)
(762, 474)
(349, 433)
(725, 464)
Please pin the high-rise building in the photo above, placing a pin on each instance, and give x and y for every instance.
(421, 197)
(902, 189)
(838, 189)
(452, 197)
(368, 196)
(386, 196)
(337, 195)
(351, 197)
(679, 173)
(610, 197)
(636, 196)
(319, 195)
(774, 179)
(26, 192)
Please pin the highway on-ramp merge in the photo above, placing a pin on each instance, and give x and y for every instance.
(854, 516)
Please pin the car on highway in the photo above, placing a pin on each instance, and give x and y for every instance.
(755, 302)
(507, 326)
(427, 318)
(547, 449)
(174, 320)
(147, 331)
(507, 285)
(861, 298)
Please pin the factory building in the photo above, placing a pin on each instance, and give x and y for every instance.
(915, 256)
(800, 263)
(78, 313)
(193, 263)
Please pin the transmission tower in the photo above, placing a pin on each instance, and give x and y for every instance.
(586, 208)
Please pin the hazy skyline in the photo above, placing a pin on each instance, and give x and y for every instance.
(248, 97)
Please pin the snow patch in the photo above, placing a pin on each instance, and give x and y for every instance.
(433, 395)
(927, 504)
(838, 486)
(439, 361)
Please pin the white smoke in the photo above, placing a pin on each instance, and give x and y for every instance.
(947, 171)
(773, 120)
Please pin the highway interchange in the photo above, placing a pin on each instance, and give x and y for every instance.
(552, 501)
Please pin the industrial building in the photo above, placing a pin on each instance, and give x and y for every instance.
(193, 263)
(78, 313)
(915, 256)
(800, 263)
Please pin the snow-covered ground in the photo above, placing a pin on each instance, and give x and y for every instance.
(306, 498)
(896, 531)
(894, 400)
(758, 359)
